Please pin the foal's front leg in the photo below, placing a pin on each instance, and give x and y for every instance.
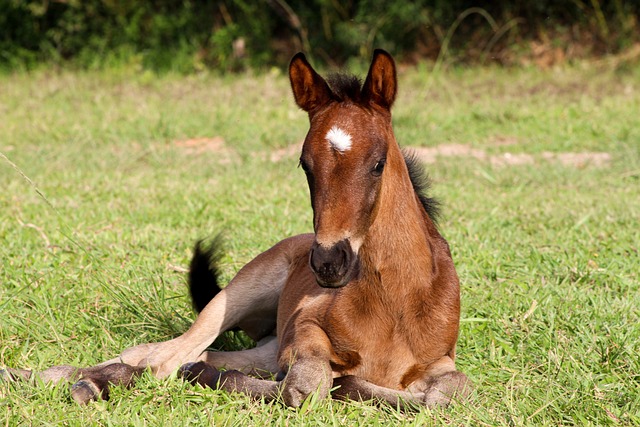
(437, 388)
(305, 377)
(305, 367)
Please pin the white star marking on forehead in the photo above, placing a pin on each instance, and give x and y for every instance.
(339, 139)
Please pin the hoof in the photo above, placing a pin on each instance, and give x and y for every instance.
(200, 373)
(187, 368)
(85, 391)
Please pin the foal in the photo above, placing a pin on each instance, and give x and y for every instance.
(367, 307)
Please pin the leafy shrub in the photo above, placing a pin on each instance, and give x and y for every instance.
(233, 34)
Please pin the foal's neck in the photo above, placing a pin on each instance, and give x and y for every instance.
(397, 247)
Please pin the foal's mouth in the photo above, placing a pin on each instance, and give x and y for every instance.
(335, 266)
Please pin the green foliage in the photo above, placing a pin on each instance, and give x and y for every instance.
(231, 35)
(88, 32)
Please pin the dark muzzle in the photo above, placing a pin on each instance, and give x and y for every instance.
(335, 266)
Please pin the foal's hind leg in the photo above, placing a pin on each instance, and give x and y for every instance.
(89, 383)
(250, 301)
(438, 391)
(261, 361)
(309, 372)
(301, 381)
(94, 382)
(230, 381)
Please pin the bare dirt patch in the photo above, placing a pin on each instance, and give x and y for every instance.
(201, 145)
(511, 159)
(285, 153)
(580, 160)
(569, 159)
(197, 146)
(431, 154)
(503, 141)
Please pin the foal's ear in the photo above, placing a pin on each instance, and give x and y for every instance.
(381, 84)
(310, 90)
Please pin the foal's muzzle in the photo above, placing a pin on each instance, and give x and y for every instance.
(334, 266)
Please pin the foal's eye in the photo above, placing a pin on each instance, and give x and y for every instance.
(304, 166)
(378, 168)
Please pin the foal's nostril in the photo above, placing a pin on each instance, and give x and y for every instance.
(331, 265)
(345, 258)
(323, 261)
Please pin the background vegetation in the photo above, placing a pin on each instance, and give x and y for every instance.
(192, 35)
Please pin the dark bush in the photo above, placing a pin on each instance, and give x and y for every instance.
(232, 34)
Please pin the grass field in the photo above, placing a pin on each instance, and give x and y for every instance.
(107, 180)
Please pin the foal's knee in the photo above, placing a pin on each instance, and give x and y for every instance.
(200, 373)
(304, 378)
(445, 388)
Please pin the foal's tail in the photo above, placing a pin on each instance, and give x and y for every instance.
(204, 272)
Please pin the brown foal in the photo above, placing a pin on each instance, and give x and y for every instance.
(366, 307)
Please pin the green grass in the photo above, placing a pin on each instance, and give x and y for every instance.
(100, 200)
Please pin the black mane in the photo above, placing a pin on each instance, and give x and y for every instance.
(345, 87)
(421, 184)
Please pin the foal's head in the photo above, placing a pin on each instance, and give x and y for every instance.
(347, 154)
